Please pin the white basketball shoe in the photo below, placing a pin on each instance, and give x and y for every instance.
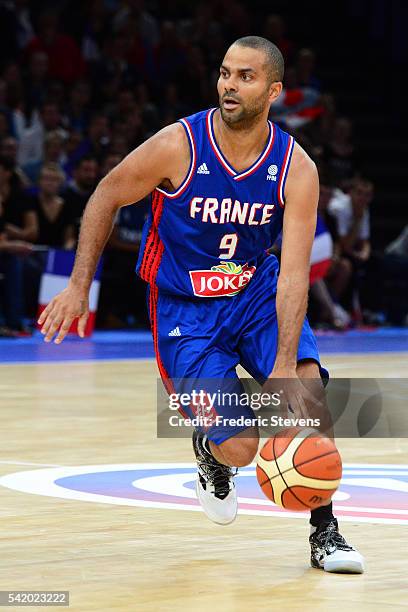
(215, 486)
(330, 551)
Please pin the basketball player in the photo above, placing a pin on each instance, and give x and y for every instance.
(224, 183)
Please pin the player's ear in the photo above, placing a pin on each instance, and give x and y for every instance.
(275, 91)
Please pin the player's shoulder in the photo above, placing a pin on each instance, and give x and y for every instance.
(171, 135)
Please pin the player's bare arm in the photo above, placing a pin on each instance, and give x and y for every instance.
(161, 160)
(299, 225)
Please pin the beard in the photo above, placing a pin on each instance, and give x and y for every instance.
(244, 116)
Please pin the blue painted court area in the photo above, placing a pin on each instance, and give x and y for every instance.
(139, 345)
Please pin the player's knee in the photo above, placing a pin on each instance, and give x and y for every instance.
(239, 452)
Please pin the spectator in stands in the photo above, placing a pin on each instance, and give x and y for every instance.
(394, 271)
(55, 229)
(323, 127)
(55, 221)
(126, 103)
(122, 298)
(94, 29)
(15, 27)
(196, 73)
(36, 81)
(147, 24)
(330, 273)
(338, 276)
(275, 31)
(96, 143)
(123, 293)
(77, 111)
(385, 290)
(113, 70)
(17, 227)
(148, 109)
(32, 138)
(172, 108)
(296, 106)
(78, 192)
(170, 54)
(54, 149)
(65, 60)
(9, 150)
(12, 76)
(351, 213)
(339, 153)
(19, 220)
(306, 69)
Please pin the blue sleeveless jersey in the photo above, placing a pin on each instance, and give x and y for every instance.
(208, 238)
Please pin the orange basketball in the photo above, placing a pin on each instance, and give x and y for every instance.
(299, 469)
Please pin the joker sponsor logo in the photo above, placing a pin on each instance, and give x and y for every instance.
(224, 279)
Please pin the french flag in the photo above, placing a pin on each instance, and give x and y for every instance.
(322, 252)
(55, 278)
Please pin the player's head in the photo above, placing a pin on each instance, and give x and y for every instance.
(250, 80)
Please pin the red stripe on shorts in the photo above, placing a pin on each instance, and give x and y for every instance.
(154, 248)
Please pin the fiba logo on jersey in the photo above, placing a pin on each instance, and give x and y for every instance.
(272, 172)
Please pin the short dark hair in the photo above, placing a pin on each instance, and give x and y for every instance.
(274, 59)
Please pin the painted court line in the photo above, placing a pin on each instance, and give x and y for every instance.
(30, 463)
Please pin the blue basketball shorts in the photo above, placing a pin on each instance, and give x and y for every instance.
(206, 338)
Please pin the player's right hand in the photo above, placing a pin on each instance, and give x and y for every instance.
(58, 316)
(298, 399)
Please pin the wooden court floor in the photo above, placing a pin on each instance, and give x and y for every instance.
(127, 558)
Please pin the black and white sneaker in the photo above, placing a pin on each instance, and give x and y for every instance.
(330, 551)
(215, 486)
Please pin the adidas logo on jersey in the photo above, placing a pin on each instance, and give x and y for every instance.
(175, 332)
(203, 169)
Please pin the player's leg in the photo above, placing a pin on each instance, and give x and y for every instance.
(328, 548)
(193, 352)
(217, 465)
(238, 450)
(257, 348)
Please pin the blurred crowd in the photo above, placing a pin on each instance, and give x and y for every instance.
(82, 84)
